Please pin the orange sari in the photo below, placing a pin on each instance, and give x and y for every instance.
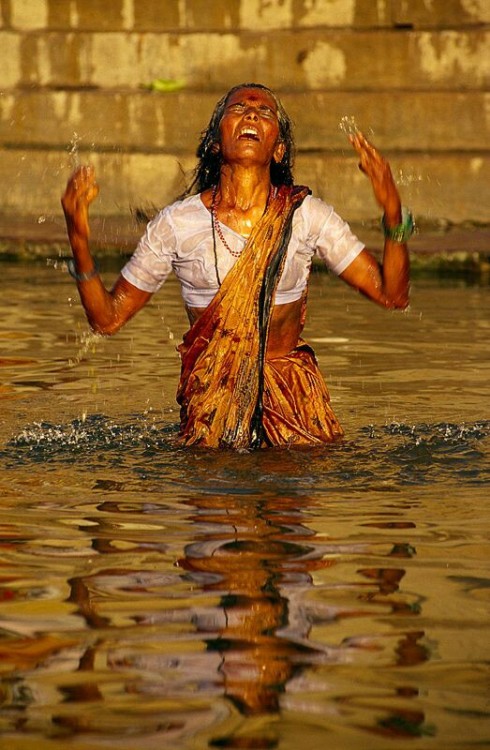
(229, 394)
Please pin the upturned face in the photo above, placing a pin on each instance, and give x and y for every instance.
(249, 128)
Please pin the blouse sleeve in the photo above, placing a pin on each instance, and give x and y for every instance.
(151, 262)
(332, 237)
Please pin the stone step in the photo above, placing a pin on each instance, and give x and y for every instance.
(298, 60)
(145, 121)
(438, 187)
(185, 15)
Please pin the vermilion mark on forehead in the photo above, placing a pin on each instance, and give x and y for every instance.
(251, 95)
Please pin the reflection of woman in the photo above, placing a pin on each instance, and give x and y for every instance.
(242, 250)
(260, 556)
(247, 557)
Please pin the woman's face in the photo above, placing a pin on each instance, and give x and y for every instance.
(249, 129)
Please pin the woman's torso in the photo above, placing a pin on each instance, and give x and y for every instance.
(180, 238)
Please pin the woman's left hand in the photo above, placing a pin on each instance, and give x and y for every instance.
(377, 168)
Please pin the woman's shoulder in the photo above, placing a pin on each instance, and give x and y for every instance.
(313, 214)
(178, 222)
(317, 206)
(187, 206)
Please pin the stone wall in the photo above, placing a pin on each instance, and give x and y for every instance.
(76, 86)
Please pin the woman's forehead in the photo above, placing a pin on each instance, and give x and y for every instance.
(251, 95)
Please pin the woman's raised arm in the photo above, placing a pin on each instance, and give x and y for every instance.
(388, 284)
(106, 311)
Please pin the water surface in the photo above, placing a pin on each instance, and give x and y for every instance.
(158, 597)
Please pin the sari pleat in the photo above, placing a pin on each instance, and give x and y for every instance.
(297, 408)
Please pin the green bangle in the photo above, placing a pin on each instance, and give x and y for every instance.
(402, 231)
(81, 276)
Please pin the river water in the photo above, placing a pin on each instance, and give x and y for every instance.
(156, 597)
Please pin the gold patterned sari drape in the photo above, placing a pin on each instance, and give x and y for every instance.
(229, 394)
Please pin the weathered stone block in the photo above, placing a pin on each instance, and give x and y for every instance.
(127, 181)
(157, 16)
(306, 60)
(10, 60)
(397, 120)
(232, 15)
(199, 15)
(26, 15)
(4, 14)
(452, 187)
(441, 13)
(414, 75)
(144, 121)
(436, 186)
(88, 15)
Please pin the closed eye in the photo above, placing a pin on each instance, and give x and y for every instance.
(264, 110)
(267, 111)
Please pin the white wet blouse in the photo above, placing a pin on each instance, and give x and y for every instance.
(180, 238)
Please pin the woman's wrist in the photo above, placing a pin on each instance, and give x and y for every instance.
(399, 230)
(81, 275)
(392, 218)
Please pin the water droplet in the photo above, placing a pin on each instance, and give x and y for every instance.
(348, 125)
(73, 150)
(408, 178)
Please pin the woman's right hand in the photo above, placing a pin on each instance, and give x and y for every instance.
(106, 311)
(81, 190)
(376, 167)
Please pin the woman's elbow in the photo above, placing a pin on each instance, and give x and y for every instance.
(404, 303)
(398, 302)
(104, 328)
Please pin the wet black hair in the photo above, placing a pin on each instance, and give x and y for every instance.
(207, 171)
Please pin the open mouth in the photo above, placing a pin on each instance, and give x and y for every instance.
(248, 134)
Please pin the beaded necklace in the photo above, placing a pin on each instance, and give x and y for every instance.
(216, 228)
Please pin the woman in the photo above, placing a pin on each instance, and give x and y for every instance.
(242, 247)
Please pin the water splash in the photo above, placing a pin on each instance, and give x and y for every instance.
(348, 125)
(60, 264)
(89, 342)
(57, 264)
(92, 433)
(407, 178)
(73, 150)
(389, 456)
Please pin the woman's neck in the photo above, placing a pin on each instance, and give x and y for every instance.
(242, 189)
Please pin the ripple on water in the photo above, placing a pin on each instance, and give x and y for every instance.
(164, 593)
(406, 454)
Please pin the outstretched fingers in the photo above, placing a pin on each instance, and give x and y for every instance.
(81, 190)
(370, 158)
(376, 167)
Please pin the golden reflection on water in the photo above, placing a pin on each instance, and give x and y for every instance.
(154, 597)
